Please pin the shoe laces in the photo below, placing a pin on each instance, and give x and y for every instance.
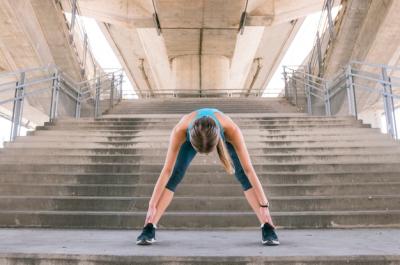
(148, 228)
(268, 231)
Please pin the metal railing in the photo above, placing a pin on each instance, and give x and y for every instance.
(78, 37)
(358, 88)
(206, 93)
(323, 39)
(50, 90)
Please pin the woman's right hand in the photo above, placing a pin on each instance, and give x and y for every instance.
(267, 215)
(151, 213)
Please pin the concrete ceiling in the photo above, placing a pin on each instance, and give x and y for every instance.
(205, 29)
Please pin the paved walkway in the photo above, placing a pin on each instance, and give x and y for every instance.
(333, 242)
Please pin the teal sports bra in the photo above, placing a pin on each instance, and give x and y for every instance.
(205, 112)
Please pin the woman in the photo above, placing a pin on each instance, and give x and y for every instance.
(204, 131)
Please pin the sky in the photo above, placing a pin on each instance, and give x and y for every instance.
(103, 52)
(5, 131)
(298, 50)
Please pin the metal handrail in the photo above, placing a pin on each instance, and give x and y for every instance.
(348, 78)
(56, 82)
(198, 93)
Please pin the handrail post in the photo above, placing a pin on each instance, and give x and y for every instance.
(308, 91)
(121, 80)
(330, 21)
(286, 83)
(294, 88)
(78, 104)
(18, 107)
(54, 96)
(97, 99)
(112, 91)
(351, 97)
(388, 104)
(319, 54)
(327, 99)
(85, 50)
(73, 17)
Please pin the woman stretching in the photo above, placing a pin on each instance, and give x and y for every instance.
(204, 131)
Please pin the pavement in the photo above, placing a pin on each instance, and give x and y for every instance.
(299, 243)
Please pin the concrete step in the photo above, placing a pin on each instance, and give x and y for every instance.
(199, 159)
(272, 151)
(165, 138)
(156, 168)
(246, 132)
(274, 132)
(250, 145)
(241, 123)
(234, 114)
(200, 203)
(198, 220)
(268, 178)
(176, 118)
(169, 127)
(129, 190)
(159, 143)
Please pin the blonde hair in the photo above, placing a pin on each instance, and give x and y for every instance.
(205, 136)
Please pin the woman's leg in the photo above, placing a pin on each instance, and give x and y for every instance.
(247, 187)
(185, 156)
(165, 200)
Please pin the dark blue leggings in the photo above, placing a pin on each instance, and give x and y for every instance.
(186, 155)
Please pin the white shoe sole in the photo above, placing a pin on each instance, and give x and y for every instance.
(270, 242)
(145, 242)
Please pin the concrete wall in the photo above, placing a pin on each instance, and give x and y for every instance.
(368, 31)
(34, 34)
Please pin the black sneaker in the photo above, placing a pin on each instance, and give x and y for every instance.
(269, 236)
(148, 235)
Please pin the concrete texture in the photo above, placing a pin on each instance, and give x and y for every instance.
(34, 34)
(203, 32)
(358, 246)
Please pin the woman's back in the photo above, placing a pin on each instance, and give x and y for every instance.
(206, 112)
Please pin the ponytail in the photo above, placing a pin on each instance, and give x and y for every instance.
(224, 157)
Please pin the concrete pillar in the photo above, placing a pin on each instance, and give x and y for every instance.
(185, 72)
(214, 72)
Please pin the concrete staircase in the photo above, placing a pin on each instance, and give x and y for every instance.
(318, 172)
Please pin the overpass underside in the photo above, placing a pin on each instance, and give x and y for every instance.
(198, 46)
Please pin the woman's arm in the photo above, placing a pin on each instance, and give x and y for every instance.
(177, 138)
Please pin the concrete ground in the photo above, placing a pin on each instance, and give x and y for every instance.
(300, 243)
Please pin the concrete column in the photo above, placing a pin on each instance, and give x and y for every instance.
(214, 72)
(186, 72)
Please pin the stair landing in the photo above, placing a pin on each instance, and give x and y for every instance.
(333, 246)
